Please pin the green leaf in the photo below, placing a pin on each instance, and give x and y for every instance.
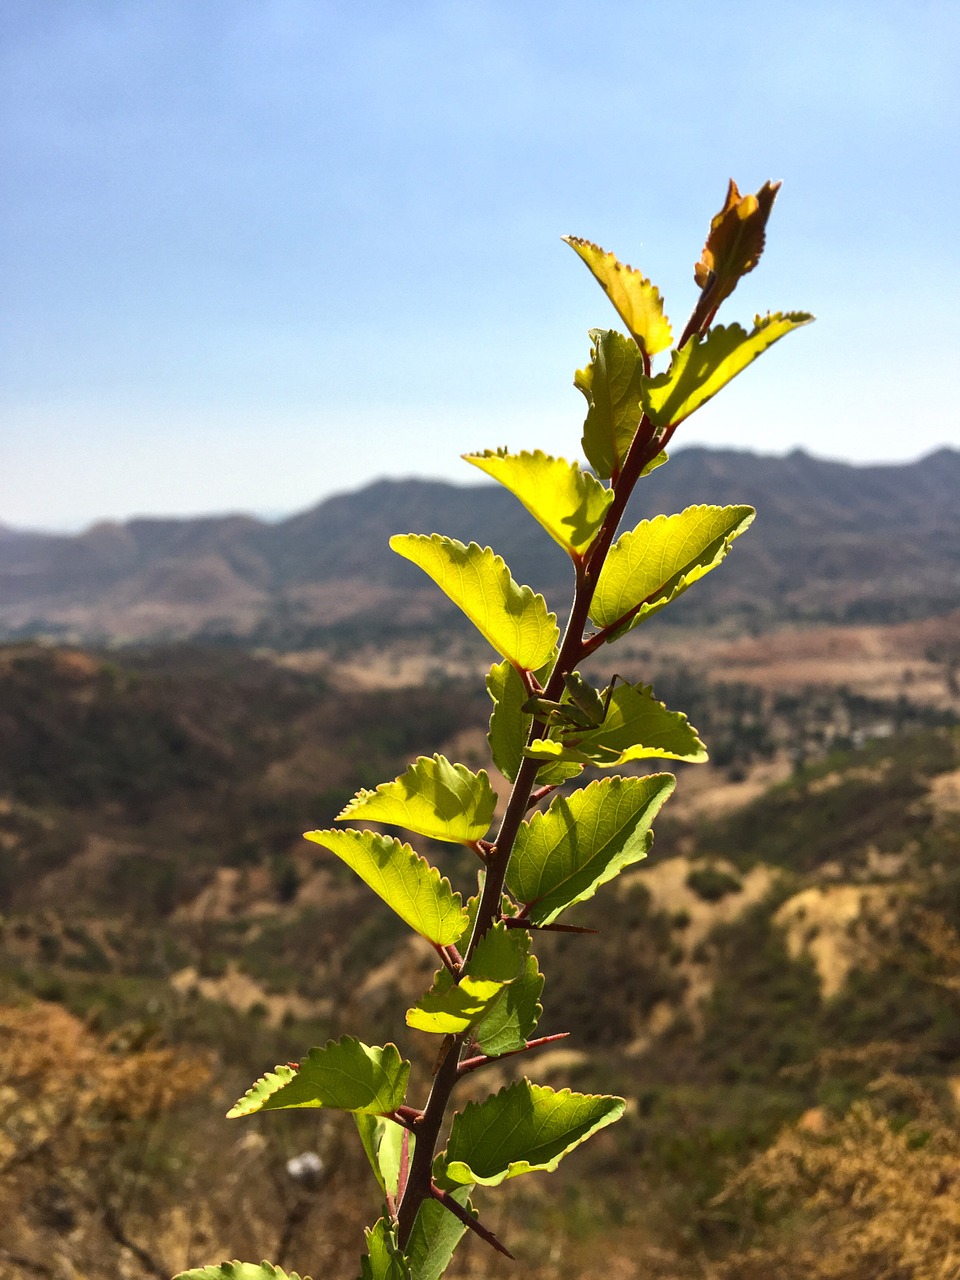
(637, 727)
(384, 1261)
(656, 461)
(371, 1130)
(568, 502)
(704, 365)
(513, 1018)
(345, 1075)
(450, 1008)
(382, 1141)
(612, 385)
(523, 1128)
(500, 955)
(434, 798)
(509, 726)
(564, 855)
(656, 562)
(405, 881)
(512, 618)
(390, 1153)
(239, 1271)
(435, 1235)
(636, 299)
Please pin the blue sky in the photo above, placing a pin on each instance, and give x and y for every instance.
(255, 253)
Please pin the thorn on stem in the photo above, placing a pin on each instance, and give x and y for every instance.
(482, 1059)
(468, 1220)
(539, 794)
(521, 922)
(409, 1117)
(451, 958)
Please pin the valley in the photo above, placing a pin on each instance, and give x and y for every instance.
(792, 937)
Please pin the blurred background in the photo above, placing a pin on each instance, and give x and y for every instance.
(268, 270)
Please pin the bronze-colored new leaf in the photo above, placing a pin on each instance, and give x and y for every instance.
(733, 248)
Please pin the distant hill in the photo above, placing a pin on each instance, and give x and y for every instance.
(832, 542)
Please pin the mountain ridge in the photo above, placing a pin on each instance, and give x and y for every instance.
(833, 541)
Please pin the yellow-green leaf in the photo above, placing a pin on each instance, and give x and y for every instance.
(383, 1142)
(564, 855)
(505, 1027)
(635, 298)
(512, 618)
(706, 364)
(612, 384)
(568, 502)
(510, 724)
(435, 798)
(405, 881)
(656, 562)
(345, 1075)
(450, 1008)
(636, 727)
(523, 1128)
(383, 1260)
(436, 1233)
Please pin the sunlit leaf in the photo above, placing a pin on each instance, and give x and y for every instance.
(658, 560)
(405, 881)
(384, 1261)
(512, 618)
(636, 299)
(636, 727)
(435, 1235)
(435, 798)
(345, 1075)
(522, 1129)
(513, 1018)
(568, 502)
(509, 726)
(239, 1271)
(564, 855)
(383, 1141)
(704, 365)
(612, 385)
(450, 1008)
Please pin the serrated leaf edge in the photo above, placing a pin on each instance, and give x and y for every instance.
(355, 807)
(528, 595)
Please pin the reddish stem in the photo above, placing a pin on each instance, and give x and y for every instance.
(646, 444)
(540, 793)
(481, 1060)
(468, 1220)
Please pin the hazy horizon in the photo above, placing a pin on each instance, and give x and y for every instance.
(474, 481)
